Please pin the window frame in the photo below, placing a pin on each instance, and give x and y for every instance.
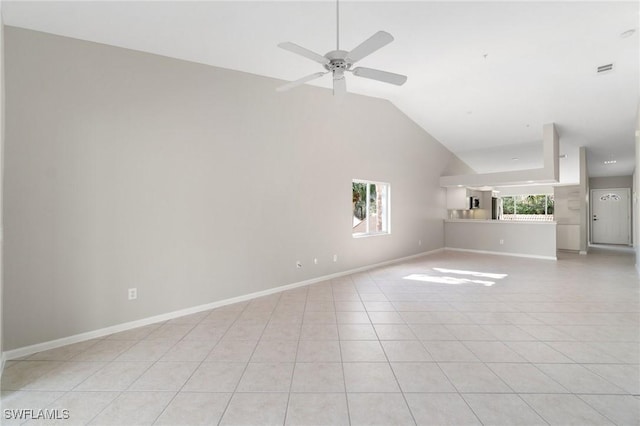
(386, 216)
(519, 197)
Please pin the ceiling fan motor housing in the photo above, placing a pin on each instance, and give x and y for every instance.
(338, 62)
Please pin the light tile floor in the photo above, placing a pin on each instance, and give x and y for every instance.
(456, 343)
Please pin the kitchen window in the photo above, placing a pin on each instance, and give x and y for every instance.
(537, 207)
(371, 208)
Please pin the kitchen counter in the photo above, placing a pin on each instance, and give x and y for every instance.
(492, 221)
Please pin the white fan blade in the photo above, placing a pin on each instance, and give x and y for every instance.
(292, 47)
(370, 45)
(384, 76)
(339, 86)
(300, 81)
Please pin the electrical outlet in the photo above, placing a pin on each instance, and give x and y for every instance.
(133, 293)
(335, 257)
(501, 242)
(298, 264)
(315, 260)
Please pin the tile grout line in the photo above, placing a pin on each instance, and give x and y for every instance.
(344, 378)
(199, 365)
(119, 392)
(224, 412)
(295, 359)
(457, 391)
(580, 397)
(404, 398)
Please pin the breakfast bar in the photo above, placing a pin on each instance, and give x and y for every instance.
(535, 239)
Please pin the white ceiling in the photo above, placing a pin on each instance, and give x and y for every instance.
(483, 76)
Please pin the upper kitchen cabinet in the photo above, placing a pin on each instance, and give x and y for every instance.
(457, 198)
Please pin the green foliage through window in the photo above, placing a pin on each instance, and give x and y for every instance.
(370, 207)
(528, 204)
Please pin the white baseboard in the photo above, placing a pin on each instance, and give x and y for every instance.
(531, 256)
(580, 252)
(52, 344)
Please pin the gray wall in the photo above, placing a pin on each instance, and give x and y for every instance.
(585, 194)
(192, 183)
(535, 239)
(571, 210)
(568, 214)
(2, 126)
(611, 182)
(636, 194)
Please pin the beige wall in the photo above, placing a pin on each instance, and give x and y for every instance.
(192, 183)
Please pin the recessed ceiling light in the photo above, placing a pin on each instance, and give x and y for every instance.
(515, 158)
(459, 186)
(610, 162)
(628, 33)
(530, 181)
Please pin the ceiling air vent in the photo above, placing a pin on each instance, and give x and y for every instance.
(605, 68)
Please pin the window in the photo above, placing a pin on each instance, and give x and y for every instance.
(370, 208)
(528, 207)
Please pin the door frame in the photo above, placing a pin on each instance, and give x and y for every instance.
(629, 224)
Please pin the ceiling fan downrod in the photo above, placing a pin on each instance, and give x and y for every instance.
(337, 24)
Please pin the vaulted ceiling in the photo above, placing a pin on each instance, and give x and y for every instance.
(483, 76)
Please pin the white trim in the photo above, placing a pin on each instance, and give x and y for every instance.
(368, 233)
(532, 256)
(52, 344)
(377, 182)
(583, 252)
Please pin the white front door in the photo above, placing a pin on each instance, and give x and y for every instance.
(610, 216)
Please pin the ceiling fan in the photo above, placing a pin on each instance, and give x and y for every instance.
(337, 62)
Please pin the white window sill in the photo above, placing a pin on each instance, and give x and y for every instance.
(377, 234)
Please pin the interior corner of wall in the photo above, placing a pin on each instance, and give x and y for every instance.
(551, 151)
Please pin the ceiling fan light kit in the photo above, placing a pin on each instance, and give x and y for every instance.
(337, 62)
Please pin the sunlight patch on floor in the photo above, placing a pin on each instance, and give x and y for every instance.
(447, 280)
(473, 273)
(457, 280)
